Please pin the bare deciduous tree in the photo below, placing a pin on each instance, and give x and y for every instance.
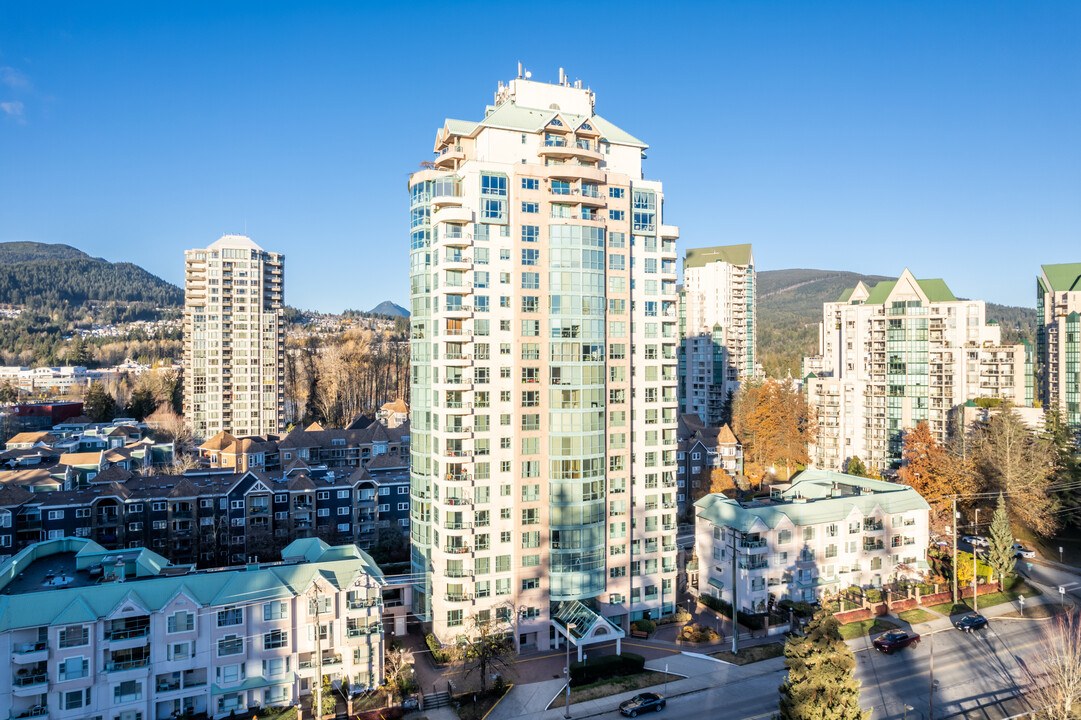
(1054, 679)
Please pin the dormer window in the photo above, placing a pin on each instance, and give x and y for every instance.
(556, 122)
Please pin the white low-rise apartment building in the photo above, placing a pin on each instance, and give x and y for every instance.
(821, 533)
(124, 635)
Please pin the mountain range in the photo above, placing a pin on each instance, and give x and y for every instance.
(41, 275)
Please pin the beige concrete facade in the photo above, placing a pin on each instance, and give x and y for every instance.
(899, 353)
(543, 336)
(234, 339)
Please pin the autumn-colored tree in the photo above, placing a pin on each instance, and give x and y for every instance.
(712, 480)
(775, 424)
(931, 471)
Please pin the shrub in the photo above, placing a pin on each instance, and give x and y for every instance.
(439, 655)
(873, 595)
(606, 666)
(752, 622)
(644, 625)
(697, 633)
(801, 609)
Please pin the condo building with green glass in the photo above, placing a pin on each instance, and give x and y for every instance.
(717, 328)
(899, 353)
(1058, 339)
(544, 373)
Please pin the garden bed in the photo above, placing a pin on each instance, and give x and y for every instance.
(753, 654)
(613, 686)
(1037, 611)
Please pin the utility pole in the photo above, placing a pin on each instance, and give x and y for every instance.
(735, 583)
(318, 659)
(954, 563)
(931, 695)
(975, 583)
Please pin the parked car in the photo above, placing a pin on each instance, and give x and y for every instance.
(970, 622)
(980, 541)
(895, 640)
(1021, 551)
(410, 702)
(640, 703)
(970, 539)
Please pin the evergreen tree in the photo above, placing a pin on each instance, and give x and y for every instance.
(99, 405)
(726, 407)
(856, 467)
(1000, 554)
(820, 685)
(141, 404)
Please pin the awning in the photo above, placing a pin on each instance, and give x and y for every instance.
(716, 583)
(585, 626)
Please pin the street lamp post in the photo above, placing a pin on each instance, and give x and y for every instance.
(907, 708)
(975, 582)
(1021, 599)
(666, 679)
(567, 669)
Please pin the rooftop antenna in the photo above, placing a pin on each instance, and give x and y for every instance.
(519, 68)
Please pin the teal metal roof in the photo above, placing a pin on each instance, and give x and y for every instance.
(716, 583)
(810, 500)
(305, 560)
(511, 116)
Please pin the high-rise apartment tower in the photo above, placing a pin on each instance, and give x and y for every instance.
(234, 338)
(717, 327)
(1058, 339)
(544, 341)
(897, 354)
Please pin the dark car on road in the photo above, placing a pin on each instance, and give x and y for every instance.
(970, 622)
(640, 703)
(895, 640)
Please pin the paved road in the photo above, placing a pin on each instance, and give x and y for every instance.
(970, 671)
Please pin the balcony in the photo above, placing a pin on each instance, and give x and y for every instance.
(575, 171)
(456, 549)
(122, 665)
(363, 603)
(34, 712)
(25, 684)
(459, 597)
(28, 653)
(450, 156)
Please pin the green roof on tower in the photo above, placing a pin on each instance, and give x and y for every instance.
(732, 254)
(1065, 276)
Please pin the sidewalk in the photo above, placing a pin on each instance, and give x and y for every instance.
(701, 674)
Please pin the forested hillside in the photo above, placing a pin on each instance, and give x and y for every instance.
(46, 276)
(790, 308)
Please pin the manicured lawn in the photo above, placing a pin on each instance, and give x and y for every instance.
(916, 615)
(613, 686)
(874, 626)
(286, 714)
(991, 599)
(1037, 611)
(752, 654)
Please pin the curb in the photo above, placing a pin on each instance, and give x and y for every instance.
(701, 656)
(510, 686)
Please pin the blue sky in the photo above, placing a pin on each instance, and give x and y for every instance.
(862, 136)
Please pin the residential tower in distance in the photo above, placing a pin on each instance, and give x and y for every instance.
(234, 339)
(544, 346)
(717, 329)
(1058, 339)
(899, 353)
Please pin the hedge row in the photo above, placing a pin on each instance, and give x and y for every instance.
(606, 666)
(751, 622)
(439, 655)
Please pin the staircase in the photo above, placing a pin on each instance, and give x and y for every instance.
(436, 700)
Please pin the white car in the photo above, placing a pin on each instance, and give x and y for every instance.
(970, 539)
(980, 542)
(1021, 551)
